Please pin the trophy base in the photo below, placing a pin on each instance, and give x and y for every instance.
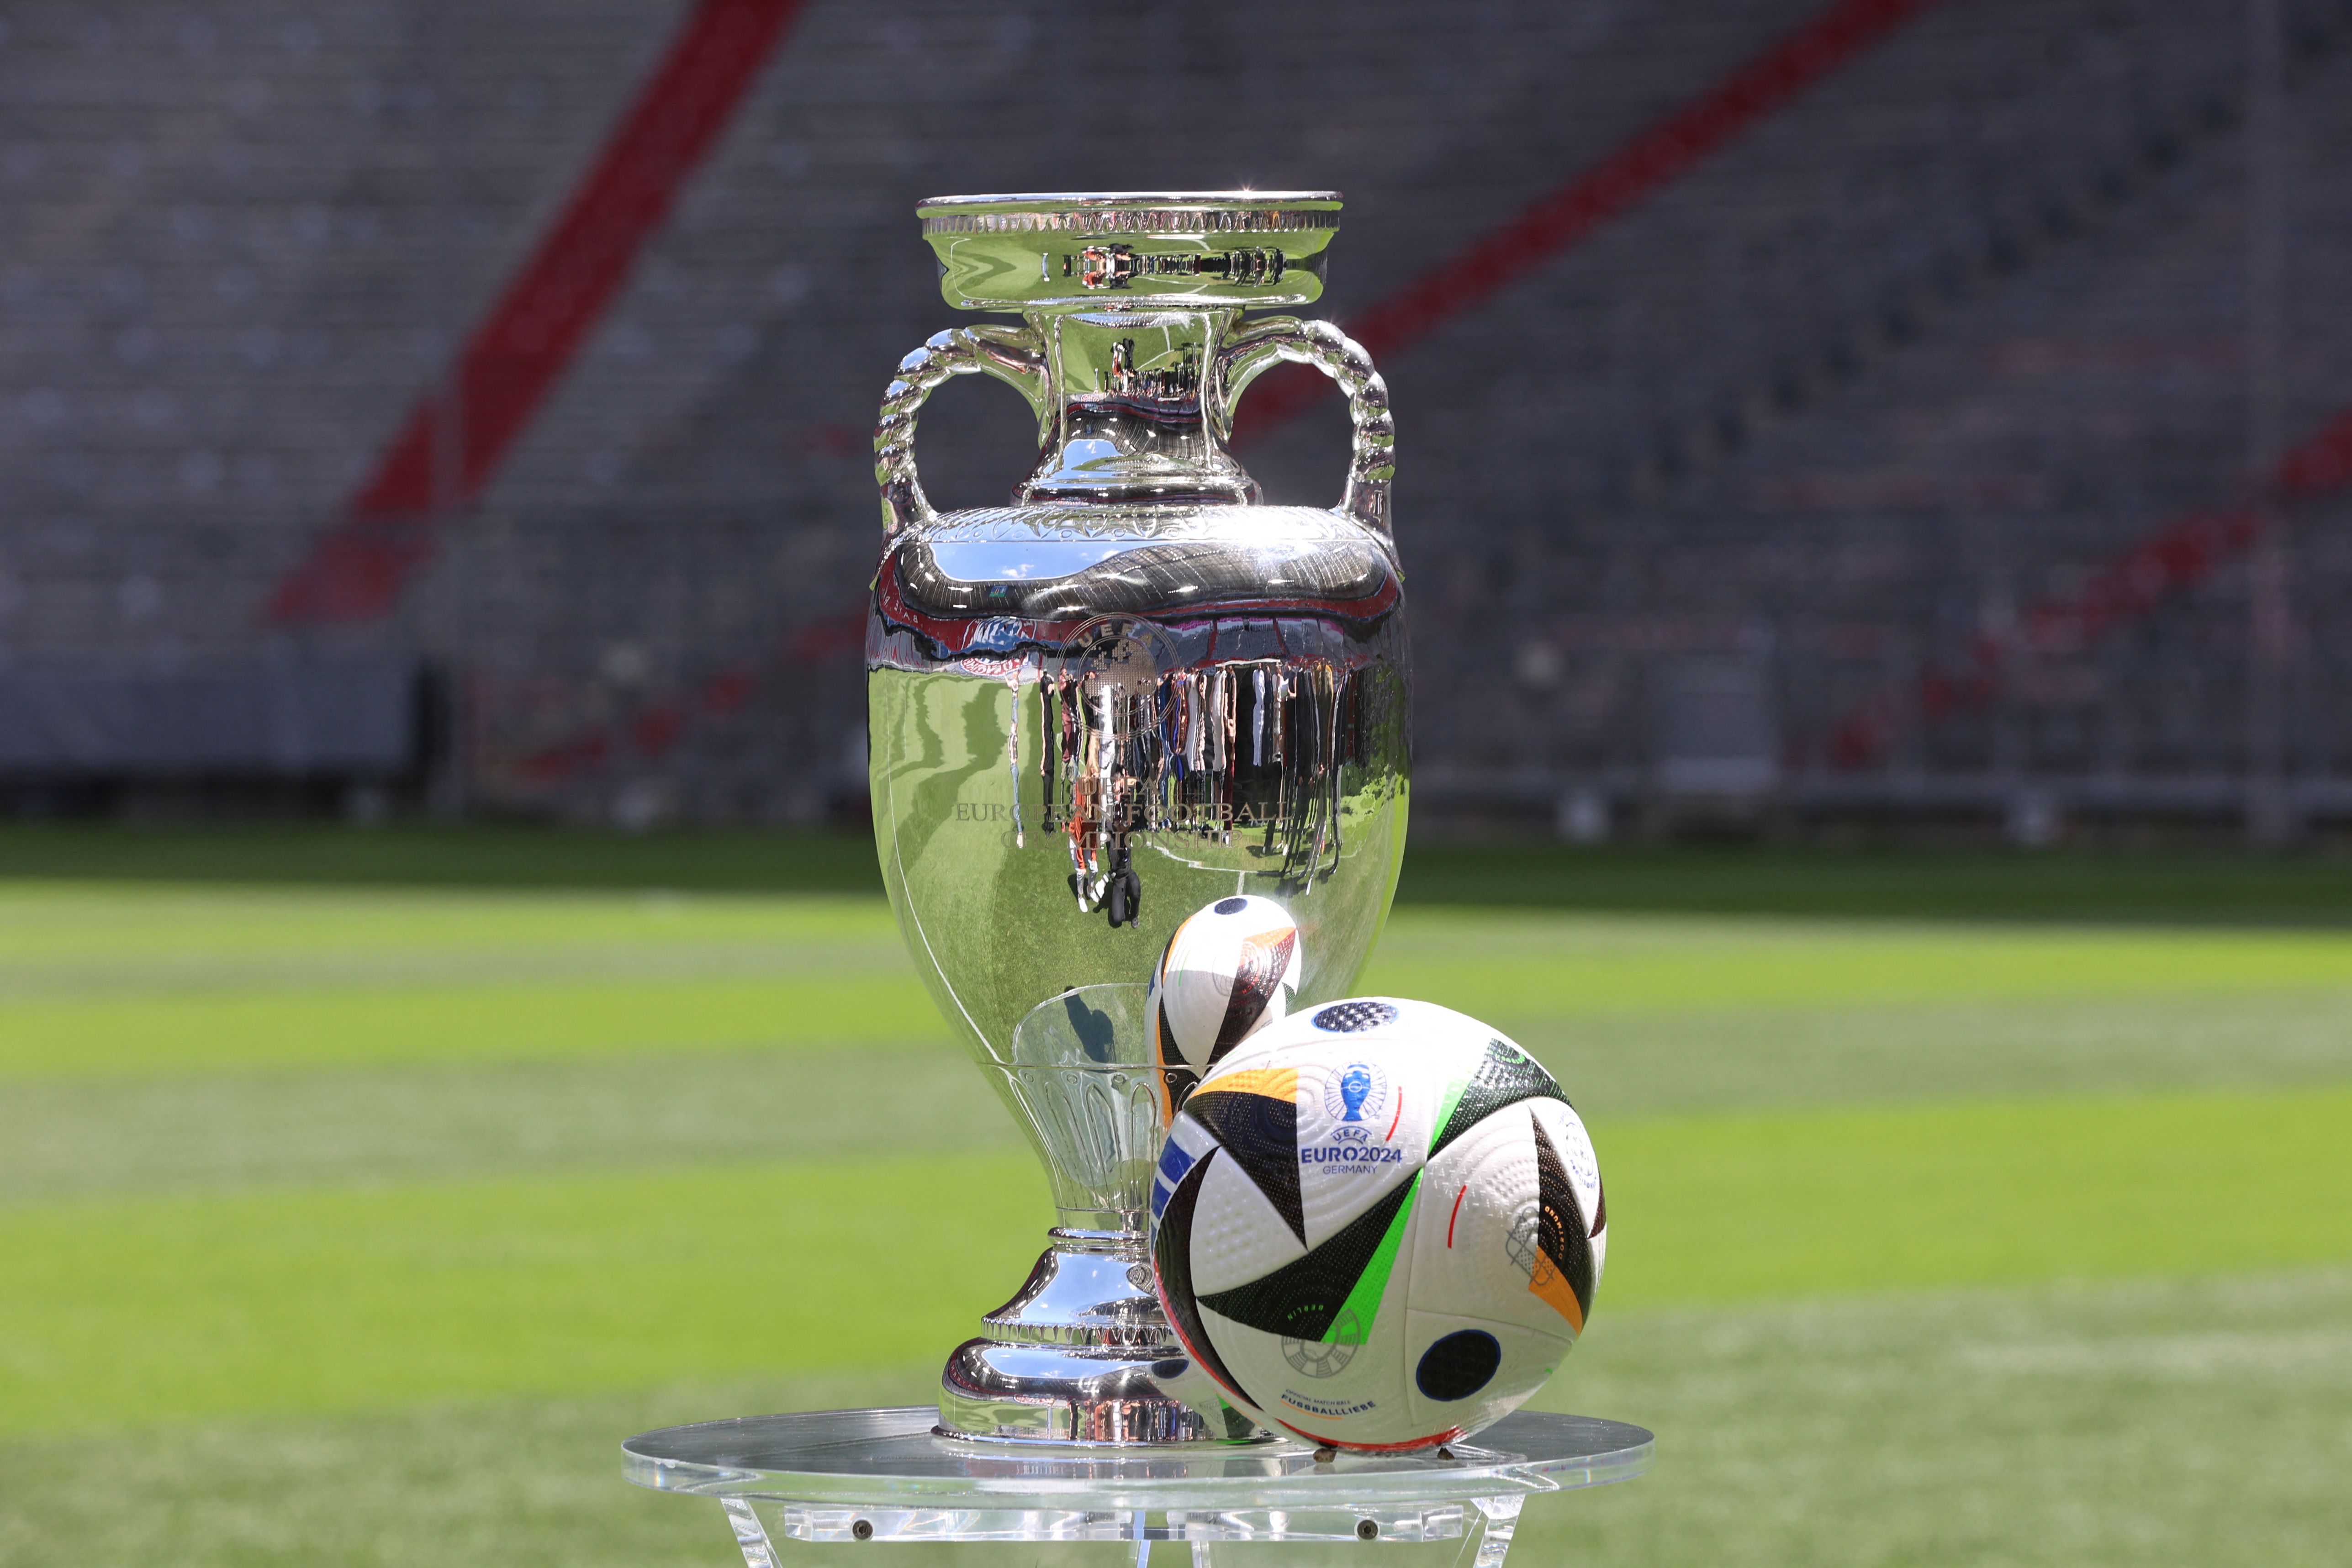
(839, 1478)
(1082, 1354)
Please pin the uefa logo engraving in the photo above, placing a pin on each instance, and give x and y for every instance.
(1122, 654)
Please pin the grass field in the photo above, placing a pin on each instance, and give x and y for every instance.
(359, 1192)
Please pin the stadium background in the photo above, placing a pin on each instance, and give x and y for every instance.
(1818, 415)
(1862, 411)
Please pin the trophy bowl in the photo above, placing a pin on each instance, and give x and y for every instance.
(1133, 692)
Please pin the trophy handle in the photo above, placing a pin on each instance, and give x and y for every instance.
(1371, 462)
(1015, 355)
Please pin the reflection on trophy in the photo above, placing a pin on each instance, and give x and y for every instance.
(1132, 693)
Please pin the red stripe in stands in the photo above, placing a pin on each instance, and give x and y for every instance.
(356, 571)
(2175, 558)
(1553, 225)
(1573, 213)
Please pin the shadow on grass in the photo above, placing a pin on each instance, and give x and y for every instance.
(2167, 888)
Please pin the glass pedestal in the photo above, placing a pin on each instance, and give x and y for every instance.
(857, 1476)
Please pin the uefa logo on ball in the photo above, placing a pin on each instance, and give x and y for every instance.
(1358, 1093)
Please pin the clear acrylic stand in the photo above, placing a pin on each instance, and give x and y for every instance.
(861, 1475)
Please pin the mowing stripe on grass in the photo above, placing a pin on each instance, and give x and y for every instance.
(337, 1300)
(52, 921)
(1492, 963)
(69, 940)
(244, 1030)
(121, 1136)
(213, 1134)
(1837, 1201)
(2109, 1427)
(303, 980)
(293, 1301)
(1771, 1058)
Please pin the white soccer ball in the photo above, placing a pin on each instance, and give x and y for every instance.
(1378, 1225)
(1230, 970)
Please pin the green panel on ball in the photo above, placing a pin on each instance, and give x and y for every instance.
(1306, 1297)
(1353, 1325)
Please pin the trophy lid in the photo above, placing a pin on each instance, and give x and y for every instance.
(1110, 250)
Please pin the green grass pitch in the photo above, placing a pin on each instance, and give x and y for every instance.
(359, 1192)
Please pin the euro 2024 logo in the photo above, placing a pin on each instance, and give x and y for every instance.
(1356, 1098)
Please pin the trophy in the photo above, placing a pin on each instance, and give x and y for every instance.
(1133, 692)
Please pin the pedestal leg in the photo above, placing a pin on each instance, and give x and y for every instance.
(1502, 1519)
(752, 1535)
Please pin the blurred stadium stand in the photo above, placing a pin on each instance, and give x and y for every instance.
(1846, 409)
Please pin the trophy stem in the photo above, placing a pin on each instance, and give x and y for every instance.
(1092, 1288)
(1080, 1354)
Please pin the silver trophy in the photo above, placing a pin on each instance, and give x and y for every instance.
(1133, 692)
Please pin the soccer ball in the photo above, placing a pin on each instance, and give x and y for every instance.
(1229, 971)
(1378, 1225)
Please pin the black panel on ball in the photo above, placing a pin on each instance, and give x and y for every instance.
(1505, 1077)
(1172, 1254)
(1261, 1132)
(1459, 1366)
(1304, 1298)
